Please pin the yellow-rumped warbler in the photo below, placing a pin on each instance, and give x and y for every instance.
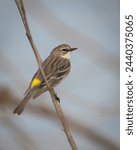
(56, 67)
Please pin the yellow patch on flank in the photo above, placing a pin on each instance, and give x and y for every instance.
(35, 82)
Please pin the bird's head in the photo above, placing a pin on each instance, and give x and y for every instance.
(63, 50)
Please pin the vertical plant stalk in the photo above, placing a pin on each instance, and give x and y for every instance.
(52, 92)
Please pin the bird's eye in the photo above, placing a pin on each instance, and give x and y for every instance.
(64, 50)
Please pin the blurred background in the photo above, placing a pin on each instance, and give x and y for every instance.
(90, 94)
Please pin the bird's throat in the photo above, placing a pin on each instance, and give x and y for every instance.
(67, 55)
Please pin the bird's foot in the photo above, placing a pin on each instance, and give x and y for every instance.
(57, 98)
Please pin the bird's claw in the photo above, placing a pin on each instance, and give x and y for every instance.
(57, 98)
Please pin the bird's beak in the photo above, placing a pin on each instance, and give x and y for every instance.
(72, 49)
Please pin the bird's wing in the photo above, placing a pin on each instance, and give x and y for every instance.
(54, 78)
(62, 69)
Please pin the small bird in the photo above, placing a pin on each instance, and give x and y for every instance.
(56, 67)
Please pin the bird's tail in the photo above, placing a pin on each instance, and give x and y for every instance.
(19, 109)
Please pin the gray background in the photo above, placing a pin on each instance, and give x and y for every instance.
(90, 94)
